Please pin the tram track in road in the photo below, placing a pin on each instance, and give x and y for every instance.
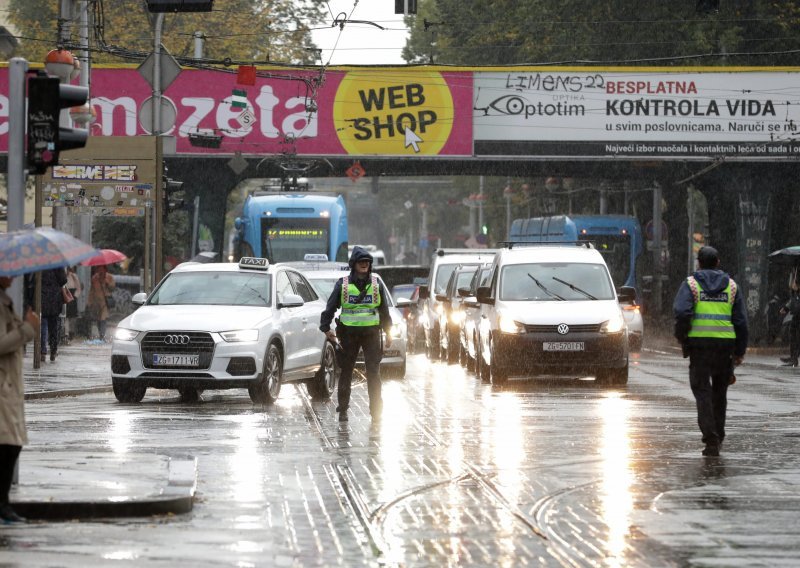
(563, 549)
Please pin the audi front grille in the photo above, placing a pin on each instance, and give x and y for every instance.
(178, 342)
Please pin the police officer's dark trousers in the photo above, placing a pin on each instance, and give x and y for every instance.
(352, 339)
(710, 370)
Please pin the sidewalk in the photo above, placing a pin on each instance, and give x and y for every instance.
(67, 485)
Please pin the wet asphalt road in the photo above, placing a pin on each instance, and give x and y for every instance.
(546, 473)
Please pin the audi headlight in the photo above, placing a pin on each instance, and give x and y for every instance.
(125, 334)
(506, 324)
(398, 330)
(614, 325)
(439, 309)
(240, 335)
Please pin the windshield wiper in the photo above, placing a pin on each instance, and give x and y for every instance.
(573, 287)
(544, 288)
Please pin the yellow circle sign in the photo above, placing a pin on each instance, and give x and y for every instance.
(397, 113)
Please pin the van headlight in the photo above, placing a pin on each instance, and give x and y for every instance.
(240, 335)
(125, 334)
(614, 325)
(506, 324)
(457, 317)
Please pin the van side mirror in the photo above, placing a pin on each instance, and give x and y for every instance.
(424, 292)
(463, 292)
(441, 297)
(626, 295)
(483, 295)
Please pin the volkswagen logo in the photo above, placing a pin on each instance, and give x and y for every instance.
(175, 339)
(562, 329)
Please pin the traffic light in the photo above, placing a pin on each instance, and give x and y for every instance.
(46, 97)
(405, 6)
(172, 187)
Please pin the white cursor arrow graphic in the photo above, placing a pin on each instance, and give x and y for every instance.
(412, 139)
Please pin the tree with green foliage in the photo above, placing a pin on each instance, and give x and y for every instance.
(261, 31)
(610, 32)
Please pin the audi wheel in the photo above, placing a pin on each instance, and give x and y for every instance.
(321, 387)
(268, 387)
(127, 391)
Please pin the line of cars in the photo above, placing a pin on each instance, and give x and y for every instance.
(530, 310)
(249, 325)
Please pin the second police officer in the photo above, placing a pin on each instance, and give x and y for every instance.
(365, 312)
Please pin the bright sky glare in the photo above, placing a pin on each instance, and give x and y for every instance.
(362, 44)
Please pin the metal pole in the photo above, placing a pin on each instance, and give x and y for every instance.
(158, 212)
(199, 41)
(480, 204)
(657, 284)
(195, 224)
(37, 294)
(690, 230)
(159, 23)
(17, 69)
(84, 219)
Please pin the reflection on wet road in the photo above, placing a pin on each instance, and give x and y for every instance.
(564, 473)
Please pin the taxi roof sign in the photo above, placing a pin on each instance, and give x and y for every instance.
(253, 262)
(316, 257)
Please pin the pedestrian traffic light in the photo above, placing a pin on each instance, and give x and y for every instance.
(46, 138)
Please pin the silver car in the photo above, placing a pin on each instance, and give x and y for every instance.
(222, 326)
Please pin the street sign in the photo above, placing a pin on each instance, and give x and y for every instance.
(170, 69)
(169, 115)
(246, 118)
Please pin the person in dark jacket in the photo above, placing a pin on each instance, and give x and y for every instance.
(52, 305)
(792, 306)
(711, 325)
(365, 312)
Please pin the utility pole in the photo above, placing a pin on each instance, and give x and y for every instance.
(17, 70)
(199, 44)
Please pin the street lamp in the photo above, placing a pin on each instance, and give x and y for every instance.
(60, 63)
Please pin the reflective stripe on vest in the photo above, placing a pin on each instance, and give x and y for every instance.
(363, 314)
(712, 313)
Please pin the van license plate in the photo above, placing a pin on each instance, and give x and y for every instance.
(176, 360)
(563, 346)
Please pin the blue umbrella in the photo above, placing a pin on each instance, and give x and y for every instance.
(39, 249)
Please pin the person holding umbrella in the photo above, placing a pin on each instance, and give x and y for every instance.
(97, 301)
(23, 252)
(14, 334)
(793, 307)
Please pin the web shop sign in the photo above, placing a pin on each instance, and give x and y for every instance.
(748, 114)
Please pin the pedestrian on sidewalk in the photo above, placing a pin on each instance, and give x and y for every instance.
(75, 288)
(792, 306)
(14, 334)
(365, 311)
(711, 325)
(52, 306)
(99, 292)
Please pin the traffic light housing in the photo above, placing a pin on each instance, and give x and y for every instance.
(171, 187)
(46, 138)
(400, 6)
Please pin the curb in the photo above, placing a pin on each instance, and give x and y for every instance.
(177, 497)
(38, 395)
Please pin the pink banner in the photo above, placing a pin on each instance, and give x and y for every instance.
(403, 112)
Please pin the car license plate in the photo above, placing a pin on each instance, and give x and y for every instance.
(563, 346)
(176, 360)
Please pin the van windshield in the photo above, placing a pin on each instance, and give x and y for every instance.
(555, 281)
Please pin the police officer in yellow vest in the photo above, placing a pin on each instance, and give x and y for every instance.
(365, 312)
(711, 324)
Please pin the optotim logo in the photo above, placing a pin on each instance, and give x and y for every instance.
(398, 113)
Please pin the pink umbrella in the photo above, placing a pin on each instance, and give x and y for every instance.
(106, 256)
